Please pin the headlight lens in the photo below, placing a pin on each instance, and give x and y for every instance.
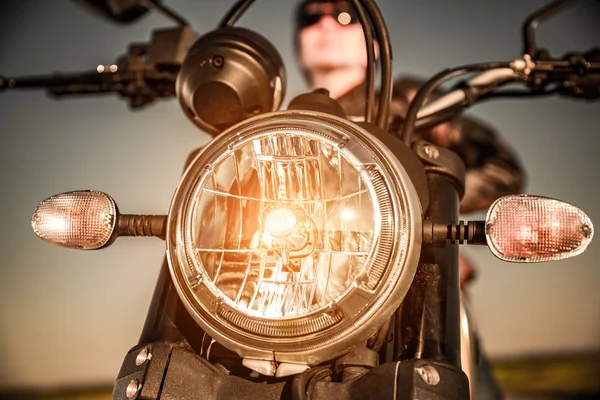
(292, 233)
(283, 225)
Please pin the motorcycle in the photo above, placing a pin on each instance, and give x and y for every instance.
(310, 256)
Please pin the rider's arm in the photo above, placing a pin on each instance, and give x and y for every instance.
(493, 169)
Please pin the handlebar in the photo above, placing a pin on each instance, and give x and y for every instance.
(576, 75)
(54, 80)
(483, 83)
(140, 87)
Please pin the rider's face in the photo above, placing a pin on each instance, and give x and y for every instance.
(331, 38)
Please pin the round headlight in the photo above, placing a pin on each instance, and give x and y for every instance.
(293, 236)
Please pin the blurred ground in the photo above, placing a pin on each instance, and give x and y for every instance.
(558, 377)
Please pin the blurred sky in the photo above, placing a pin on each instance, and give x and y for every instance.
(68, 317)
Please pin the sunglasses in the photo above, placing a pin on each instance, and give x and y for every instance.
(343, 14)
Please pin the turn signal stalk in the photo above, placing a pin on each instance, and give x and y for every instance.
(90, 220)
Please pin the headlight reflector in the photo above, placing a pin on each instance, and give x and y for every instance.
(272, 231)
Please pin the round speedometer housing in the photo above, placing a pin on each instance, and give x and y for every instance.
(294, 236)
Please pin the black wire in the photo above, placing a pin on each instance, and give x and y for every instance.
(381, 34)
(385, 96)
(300, 381)
(235, 13)
(447, 114)
(438, 117)
(316, 378)
(154, 4)
(411, 116)
(371, 62)
(516, 94)
(529, 46)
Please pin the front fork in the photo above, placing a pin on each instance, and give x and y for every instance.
(428, 323)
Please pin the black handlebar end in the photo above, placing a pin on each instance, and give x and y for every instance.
(3, 82)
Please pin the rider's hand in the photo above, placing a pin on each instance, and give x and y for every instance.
(444, 135)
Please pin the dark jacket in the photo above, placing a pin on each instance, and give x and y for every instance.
(493, 169)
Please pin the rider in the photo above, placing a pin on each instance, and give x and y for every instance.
(331, 51)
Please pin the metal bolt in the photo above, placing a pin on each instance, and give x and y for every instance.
(586, 230)
(431, 151)
(429, 375)
(132, 389)
(218, 61)
(143, 356)
(256, 110)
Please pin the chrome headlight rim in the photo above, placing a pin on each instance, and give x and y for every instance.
(333, 329)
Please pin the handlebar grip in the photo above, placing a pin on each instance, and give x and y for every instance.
(83, 88)
(49, 81)
(4, 82)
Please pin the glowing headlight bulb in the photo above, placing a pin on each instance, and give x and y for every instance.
(280, 222)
